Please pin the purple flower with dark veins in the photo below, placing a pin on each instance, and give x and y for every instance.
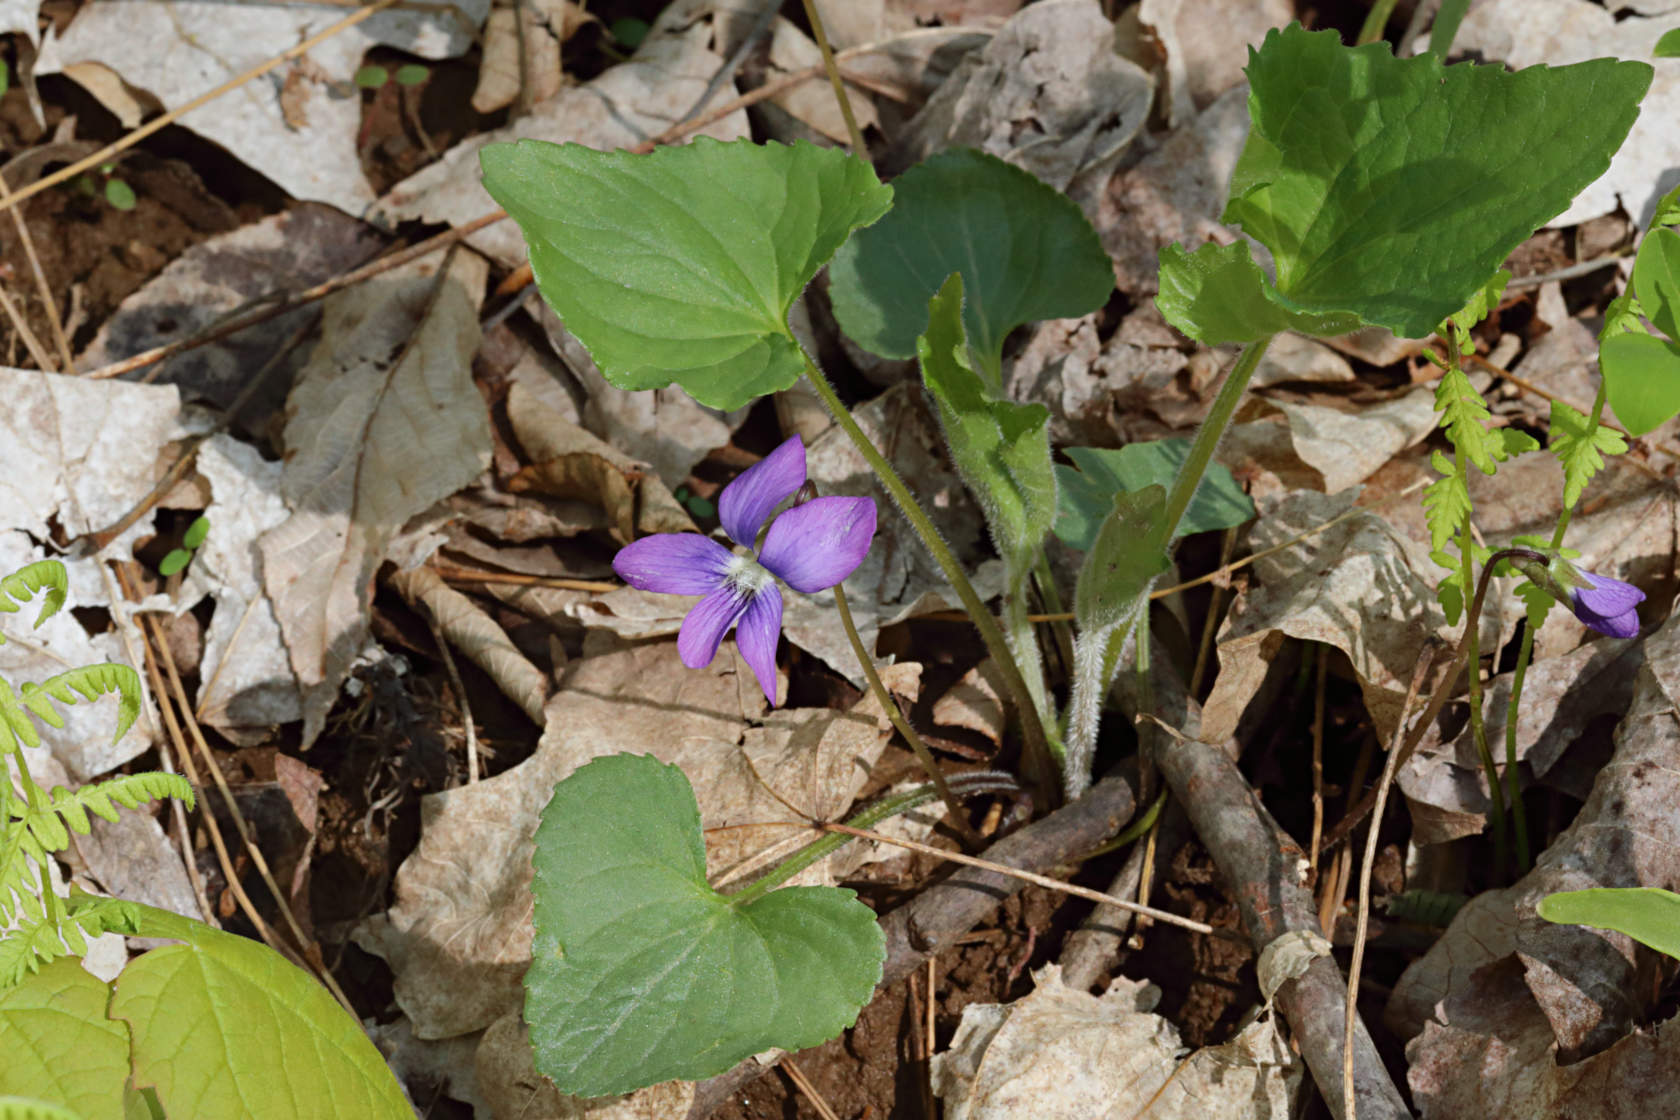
(811, 547)
(1607, 605)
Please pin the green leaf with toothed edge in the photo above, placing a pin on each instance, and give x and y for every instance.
(641, 972)
(681, 265)
(1388, 189)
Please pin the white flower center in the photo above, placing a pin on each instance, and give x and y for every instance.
(747, 576)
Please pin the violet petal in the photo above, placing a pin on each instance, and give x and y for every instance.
(747, 501)
(818, 544)
(1608, 605)
(706, 624)
(673, 563)
(760, 628)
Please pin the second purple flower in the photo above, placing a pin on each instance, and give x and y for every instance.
(811, 547)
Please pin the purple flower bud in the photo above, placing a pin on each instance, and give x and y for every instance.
(1607, 605)
(812, 546)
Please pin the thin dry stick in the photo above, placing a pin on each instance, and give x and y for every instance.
(41, 285)
(43, 360)
(155, 641)
(1037, 880)
(178, 692)
(859, 149)
(460, 691)
(123, 143)
(1350, 1014)
(166, 760)
(456, 574)
(1318, 762)
(803, 1084)
(283, 302)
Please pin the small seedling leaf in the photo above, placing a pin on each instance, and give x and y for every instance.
(225, 1026)
(1025, 250)
(196, 532)
(174, 560)
(59, 1045)
(682, 265)
(1001, 448)
(372, 77)
(411, 74)
(641, 972)
(1085, 491)
(1649, 915)
(119, 194)
(1361, 177)
(1642, 379)
(1669, 45)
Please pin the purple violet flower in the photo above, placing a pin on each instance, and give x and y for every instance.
(1607, 605)
(811, 547)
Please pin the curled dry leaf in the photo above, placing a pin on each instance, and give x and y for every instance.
(570, 463)
(476, 634)
(549, 25)
(459, 936)
(1063, 1053)
(1355, 586)
(383, 422)
(1591, 986)
(1048, 94)
(1206, 43)
(299, 127)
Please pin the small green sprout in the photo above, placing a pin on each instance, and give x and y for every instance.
(178, 558)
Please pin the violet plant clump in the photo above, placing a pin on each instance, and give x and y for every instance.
(810, 547)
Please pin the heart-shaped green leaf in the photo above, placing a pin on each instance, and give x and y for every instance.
(1392, 188)
(59, 1046)
(225, 1026)
(1025, 251)
(1002, 449)
(682, 265)
(1642, 378)
(641, 972)
(1656, 280)
(1649, 915)
(1085, 492)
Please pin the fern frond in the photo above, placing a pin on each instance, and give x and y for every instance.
(19, 851)
(128, 791)
(89, 682)
(36, 941)
(23, 1108)
(25, 583)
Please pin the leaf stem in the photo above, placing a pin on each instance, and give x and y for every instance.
(891, 708)
(1473, 666)
(1519, 815)
(1038, 764)
(859, 149)
(1092, 665)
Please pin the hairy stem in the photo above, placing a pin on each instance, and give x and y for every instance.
(1038, 764)
(1093, 666)
(1023, 643)
(890, 707)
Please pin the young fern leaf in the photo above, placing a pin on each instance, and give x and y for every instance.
(1446, 502)
(37, 941)
(128, 791)
(1464, 415)
(1580, 451)
(27, 582)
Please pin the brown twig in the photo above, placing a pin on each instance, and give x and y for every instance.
(48, 300)
(1261, 865)
(1362, 924)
